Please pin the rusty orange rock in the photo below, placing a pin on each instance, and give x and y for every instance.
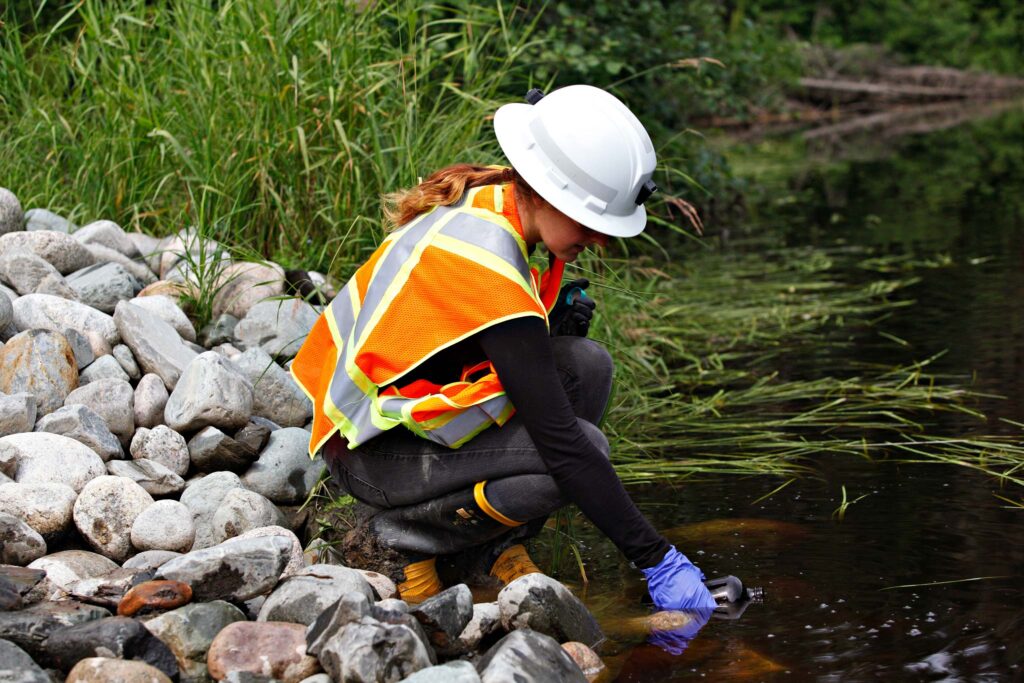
(154, 595)
(586, 659)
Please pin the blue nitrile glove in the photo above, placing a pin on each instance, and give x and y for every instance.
(675, 641)
(675, 583)
(571, 314)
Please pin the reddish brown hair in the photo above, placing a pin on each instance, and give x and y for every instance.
(446, 187)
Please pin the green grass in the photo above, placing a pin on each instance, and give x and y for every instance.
(290, 118)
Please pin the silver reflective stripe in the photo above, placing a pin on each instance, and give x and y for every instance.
(567, 166)
(341, 311)
(392, 263)
(487, 235)
(468, 421)
(494, 407)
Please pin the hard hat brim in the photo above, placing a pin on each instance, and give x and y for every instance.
(511, 126)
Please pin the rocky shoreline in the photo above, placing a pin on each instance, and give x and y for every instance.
(152, 481)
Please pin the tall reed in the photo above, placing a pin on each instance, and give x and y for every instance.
(292, 117)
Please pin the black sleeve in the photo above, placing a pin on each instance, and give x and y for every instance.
(520, 350)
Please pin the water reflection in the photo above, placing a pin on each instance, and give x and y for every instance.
(921, 580)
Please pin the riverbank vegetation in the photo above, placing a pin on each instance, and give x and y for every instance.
(275, 126)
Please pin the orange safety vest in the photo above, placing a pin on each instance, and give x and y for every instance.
(444, 276)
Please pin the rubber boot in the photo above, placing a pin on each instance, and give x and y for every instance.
(513, 563)
(421, 581)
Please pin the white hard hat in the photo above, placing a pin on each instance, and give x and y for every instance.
(585, 153)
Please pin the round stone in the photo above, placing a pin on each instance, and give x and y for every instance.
(44, 507)
(67, 567)
(52, 459)
(41, 363)
(12, 218)
(272, 649)
(163, 445)
(164, 525)
(105, 511)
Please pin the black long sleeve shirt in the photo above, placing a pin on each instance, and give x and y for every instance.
(520, 350)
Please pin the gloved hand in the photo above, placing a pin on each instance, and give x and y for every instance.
(675, 583)
(571, 314)
(674, 641)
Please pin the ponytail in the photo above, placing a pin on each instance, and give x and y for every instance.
(446, 187)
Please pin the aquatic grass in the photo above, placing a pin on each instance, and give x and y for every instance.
(726, 367)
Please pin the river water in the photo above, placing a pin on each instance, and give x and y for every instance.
(843, 598)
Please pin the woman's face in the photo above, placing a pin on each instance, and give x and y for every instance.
(564, 237)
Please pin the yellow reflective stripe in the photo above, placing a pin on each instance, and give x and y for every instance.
(484, 258)
(489, 510)
(499, 198)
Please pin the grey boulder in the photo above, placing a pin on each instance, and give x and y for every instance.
(453, 672)
(284, 472)
(20, 544)
(67, 567)
(278, 327)
(61, 250)
(51, 459)
(25, 271)
(276, 395)
(113, 400)
(444, 616)
(188, 631)
(47, 312)
(105, 511)
(528, 657)
(12, 218)
(241, 511)
(116, 637)
(41, 363)
(15, 664)
(150, 400)
(163, 445)
(157, 346)
(540, 603)
(104, 367)
(154, 478)
(203, 498)
(169, 311)
(211, 450)
(108, 234)
(46, 508)
(236, 570)
(104, 284)
(17, 412)
(29, 628)
(301, 598)
(211, 392)
(81, 423)
(164, 525)
(368, 650)
(44, 219)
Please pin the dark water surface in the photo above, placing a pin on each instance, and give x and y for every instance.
(834, 610)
